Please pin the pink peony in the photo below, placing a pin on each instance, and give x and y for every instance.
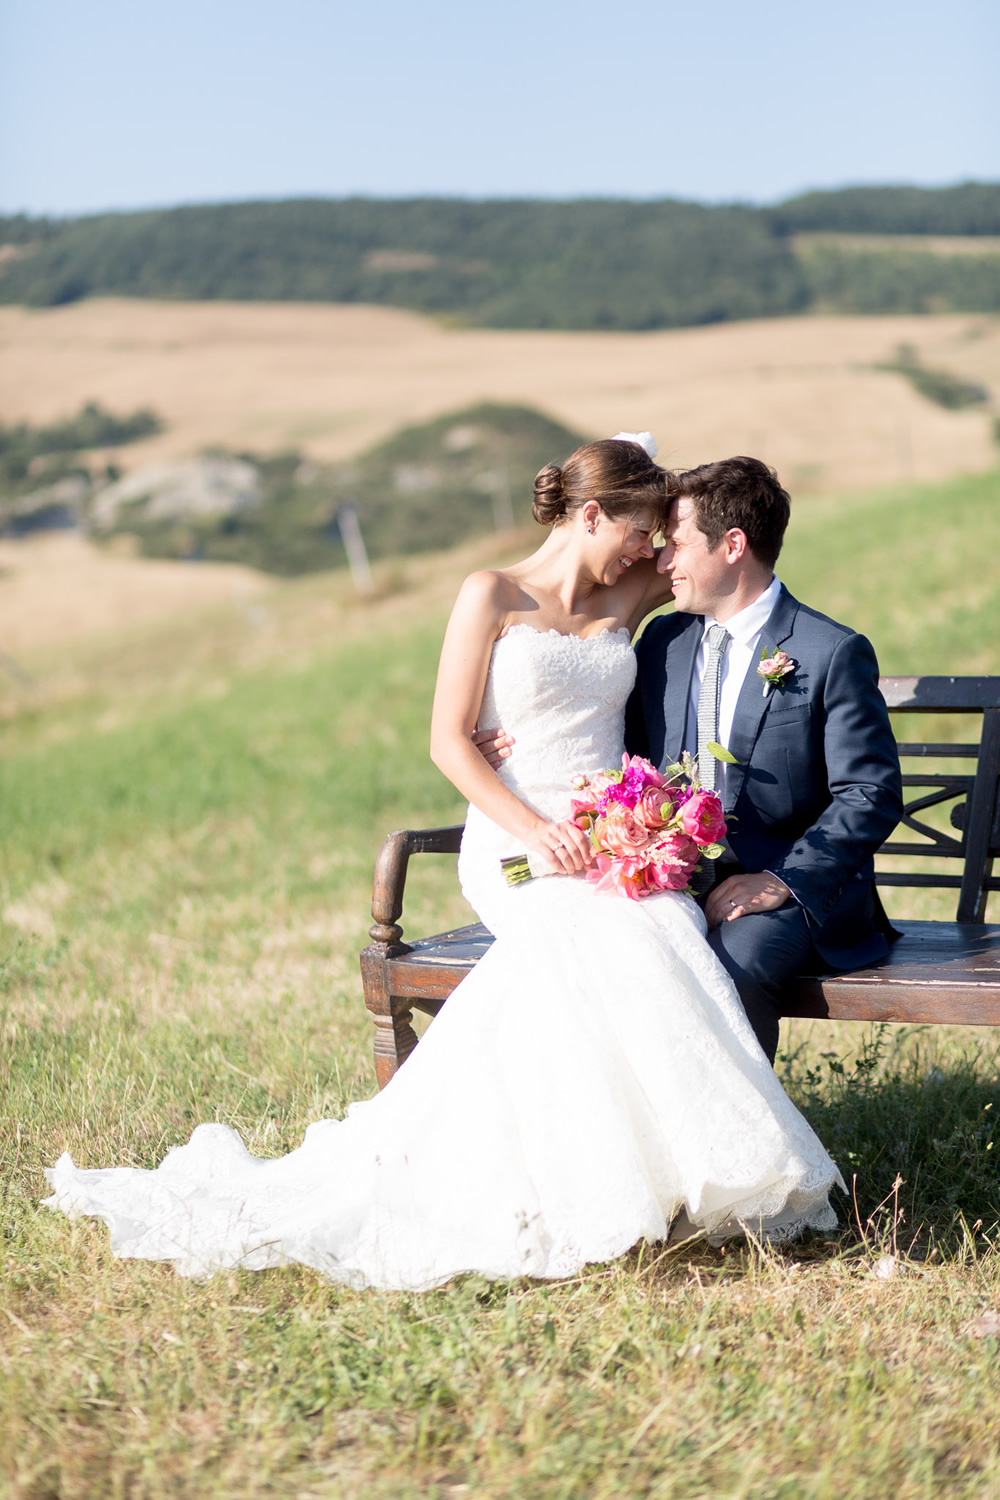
(670, 877)
(701, 817)
(672, 861)
(626, 877)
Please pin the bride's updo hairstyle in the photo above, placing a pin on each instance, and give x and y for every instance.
(620, 476)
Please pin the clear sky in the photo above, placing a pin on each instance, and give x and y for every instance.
(129, 103)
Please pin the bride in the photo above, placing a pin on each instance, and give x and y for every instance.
(594, 1079)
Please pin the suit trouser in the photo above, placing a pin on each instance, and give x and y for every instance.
(760, 952)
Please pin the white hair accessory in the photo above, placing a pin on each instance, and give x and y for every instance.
(645, 440)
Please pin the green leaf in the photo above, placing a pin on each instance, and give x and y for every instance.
(721, 753)
(712, 851)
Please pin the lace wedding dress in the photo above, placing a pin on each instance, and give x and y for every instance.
(591, 1078)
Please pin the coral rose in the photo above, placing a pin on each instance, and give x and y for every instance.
(649, 810)
(621, 835)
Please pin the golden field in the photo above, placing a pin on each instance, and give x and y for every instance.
(331, 380)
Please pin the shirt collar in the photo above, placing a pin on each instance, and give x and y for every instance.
(750, 621)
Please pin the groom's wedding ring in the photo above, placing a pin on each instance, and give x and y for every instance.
(732, 903)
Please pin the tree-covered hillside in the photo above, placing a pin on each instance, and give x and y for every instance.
(519, 264)
(970, 208)
(523, 264)
(425, 488)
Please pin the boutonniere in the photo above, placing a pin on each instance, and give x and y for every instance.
(774, 667)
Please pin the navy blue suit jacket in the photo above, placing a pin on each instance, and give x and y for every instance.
(816, 788)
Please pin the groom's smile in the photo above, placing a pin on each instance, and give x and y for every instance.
(701, 578)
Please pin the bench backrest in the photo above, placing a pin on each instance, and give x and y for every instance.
(973, 836)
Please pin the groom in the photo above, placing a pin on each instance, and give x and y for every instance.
(814, 787)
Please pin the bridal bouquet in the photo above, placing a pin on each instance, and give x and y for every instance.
(648, 828)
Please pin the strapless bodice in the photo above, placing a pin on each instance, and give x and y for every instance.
(562, 697)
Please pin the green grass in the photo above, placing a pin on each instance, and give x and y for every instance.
(189, 828)
(911, 567)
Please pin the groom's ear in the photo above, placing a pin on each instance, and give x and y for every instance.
(735, 542)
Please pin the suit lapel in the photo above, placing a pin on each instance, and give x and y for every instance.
(680, 659)
(752, 705)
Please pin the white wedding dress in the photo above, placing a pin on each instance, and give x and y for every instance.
(594, 1076)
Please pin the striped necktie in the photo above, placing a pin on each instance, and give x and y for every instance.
(708, 706)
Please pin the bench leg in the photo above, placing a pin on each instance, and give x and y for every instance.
(395, 1037)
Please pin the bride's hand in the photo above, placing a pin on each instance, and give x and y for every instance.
(564, 845)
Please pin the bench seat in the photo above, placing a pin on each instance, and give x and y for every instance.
(935, 972)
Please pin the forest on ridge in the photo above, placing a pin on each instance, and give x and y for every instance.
(585, 264)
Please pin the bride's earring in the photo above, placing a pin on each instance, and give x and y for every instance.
(590, 531)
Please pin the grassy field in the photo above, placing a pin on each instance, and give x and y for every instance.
(803, 393)
(191, 815)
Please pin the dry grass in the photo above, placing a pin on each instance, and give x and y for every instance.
(759, 1377)
(57, 586)
(122, 635)
(799, 392)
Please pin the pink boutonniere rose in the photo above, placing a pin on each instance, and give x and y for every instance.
(774, 667)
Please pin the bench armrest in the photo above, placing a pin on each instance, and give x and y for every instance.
(390, 873)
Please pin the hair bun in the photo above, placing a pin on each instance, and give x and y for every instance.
(549, 502)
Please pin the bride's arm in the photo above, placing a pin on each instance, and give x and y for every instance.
(476, 622)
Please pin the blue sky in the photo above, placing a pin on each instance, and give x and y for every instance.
(126, 103)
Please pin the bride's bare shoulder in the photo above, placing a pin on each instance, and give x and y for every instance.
(484, 602)
(490, 588)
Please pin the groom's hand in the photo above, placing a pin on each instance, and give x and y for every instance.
(493, 745)
(742, 895)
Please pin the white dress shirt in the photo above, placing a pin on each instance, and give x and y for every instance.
(742, 653)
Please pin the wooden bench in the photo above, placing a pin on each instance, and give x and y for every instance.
(935, 972)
